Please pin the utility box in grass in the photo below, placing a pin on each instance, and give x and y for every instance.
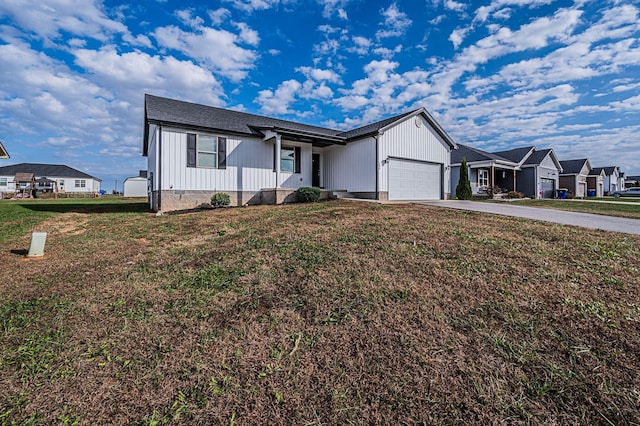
(36, 248)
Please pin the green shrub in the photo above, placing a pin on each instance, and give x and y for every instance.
(463, 190)
(308, 194)
(220, 199)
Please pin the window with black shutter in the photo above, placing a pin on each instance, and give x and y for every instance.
(206, 151)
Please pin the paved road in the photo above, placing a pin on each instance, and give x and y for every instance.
(586, 220)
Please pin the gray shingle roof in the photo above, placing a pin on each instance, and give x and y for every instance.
(159, 110)
(515, 155)
(474, 154)
(45, 170)
(572, 167)
(537, 157)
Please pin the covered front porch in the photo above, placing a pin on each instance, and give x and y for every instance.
(492, 179)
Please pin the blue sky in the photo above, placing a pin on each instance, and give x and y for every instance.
(496, 74)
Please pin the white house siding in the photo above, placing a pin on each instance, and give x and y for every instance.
(351, 167)
(91, 186)
(408, 141)
(249, 168)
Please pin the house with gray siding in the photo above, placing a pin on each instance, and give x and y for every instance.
(533, 172)
(194, 151)
(574, 176)
(486, 169)
(539, 174)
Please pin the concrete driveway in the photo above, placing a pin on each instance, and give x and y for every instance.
(586, 220)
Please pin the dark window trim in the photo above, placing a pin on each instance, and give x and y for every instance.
(192, 151)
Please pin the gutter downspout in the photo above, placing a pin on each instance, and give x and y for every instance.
(278, 148)
(159, 160)
(375, 137)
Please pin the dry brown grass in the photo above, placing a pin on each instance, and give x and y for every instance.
(331, 313)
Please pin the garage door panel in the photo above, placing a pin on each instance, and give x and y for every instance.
(412, 180)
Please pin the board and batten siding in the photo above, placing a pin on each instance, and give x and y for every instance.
(407, 140)
(351, 167)
(249, 166)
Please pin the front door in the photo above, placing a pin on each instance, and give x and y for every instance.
(315, 170)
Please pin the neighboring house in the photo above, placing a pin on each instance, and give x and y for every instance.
(137, 186)
(595, 182)
(195, 151)
(612, 181)
(486, 169)
(49, 177)
(3, 152)
(527, 170)
(539, 176)
(574, 176)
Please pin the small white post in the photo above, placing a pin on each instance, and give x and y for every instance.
(38, 239)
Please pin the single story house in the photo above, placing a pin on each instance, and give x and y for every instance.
(3, 151)
(539, 175)
(595, 182)
(49, 177)
(613, 179)
(574, 176)
(137, 186)
(533, 172)
(485, 169)
(195, 151)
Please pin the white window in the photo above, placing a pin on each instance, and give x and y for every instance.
(207, 151)
(287, 159)
(3, 181)
(61, 182)
(81, 183)
(483, 177)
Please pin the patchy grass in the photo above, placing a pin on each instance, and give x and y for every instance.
(608, 209)
(329, 313)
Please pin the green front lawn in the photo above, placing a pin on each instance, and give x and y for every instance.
(327, 313)
(608, 209)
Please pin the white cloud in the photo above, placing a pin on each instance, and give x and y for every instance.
(395, 22)
(629, 104)
(334, 7)
(458, 35)
(186, 17)
(218, 16)
(136, 70)
(387, 53)
(360, 45)
(220, 50)
(247, 35)
(484, 12)
(277, 102)
(48, 19)
(454, 5)
(319, 75)
(256, 5)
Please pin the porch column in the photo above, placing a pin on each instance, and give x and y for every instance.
(277, 159)
(493, 176)
(514, 180)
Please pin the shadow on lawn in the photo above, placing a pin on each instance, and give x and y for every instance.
(63, 207)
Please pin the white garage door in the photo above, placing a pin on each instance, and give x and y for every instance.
(412, 180)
